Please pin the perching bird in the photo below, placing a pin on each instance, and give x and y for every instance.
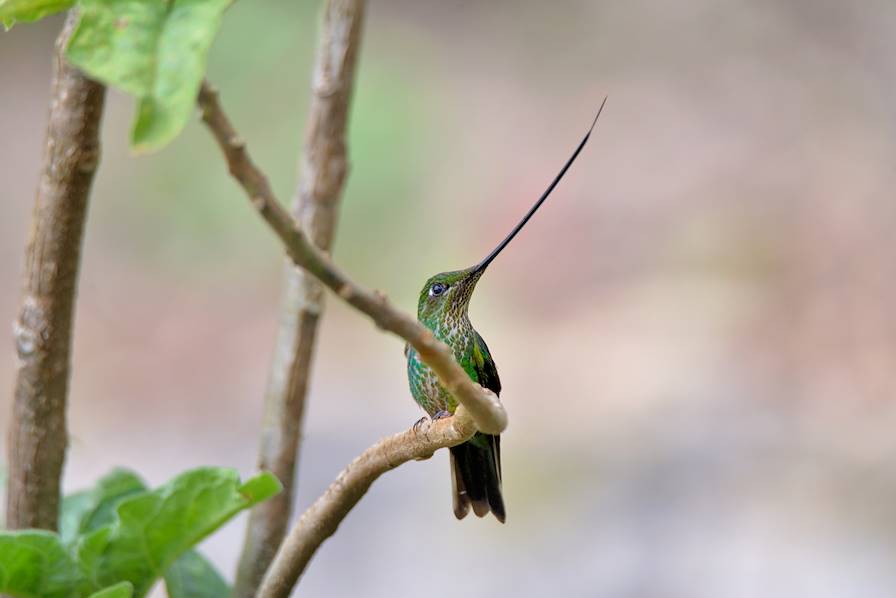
(475, 464)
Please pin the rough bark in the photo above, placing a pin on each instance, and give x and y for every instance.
(43, 331)
(322, 174)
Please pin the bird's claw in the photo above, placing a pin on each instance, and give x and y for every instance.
(418, 423)
(440, 414)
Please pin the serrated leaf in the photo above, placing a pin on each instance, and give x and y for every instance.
(35, 564)
(154, 528)
(192, 576)
(13, 11)
(119, 590)
(154, 50)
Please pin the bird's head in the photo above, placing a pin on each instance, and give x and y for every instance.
(446, 296)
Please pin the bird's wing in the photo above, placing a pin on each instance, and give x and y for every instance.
(486, 371)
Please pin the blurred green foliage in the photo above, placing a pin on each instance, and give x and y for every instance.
(180, 202)
(14, 11)
(120, 537)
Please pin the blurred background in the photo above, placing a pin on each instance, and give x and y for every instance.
(696, 335)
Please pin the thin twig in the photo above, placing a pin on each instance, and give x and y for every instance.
(483, 406)
(38, 434)
(322, 518)
(323, 171)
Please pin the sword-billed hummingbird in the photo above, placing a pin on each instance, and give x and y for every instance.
(442, 307)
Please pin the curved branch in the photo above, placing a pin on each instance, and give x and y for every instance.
(483, 406)
(324, 167)
(38, 434)
(322, 518)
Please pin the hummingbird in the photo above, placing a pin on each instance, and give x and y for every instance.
(442, 308)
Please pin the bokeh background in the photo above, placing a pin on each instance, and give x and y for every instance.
(696, 336)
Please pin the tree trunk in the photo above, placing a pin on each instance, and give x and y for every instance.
(43, 331)
(316, 206)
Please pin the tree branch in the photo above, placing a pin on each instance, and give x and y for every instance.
(322, 518)
(38, 435)
(322, 174)
(479, 408)
(482, 405)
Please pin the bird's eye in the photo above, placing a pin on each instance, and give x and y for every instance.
(437, 289)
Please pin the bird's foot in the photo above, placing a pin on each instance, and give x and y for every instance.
(440, 414)
(418, 423)
(416, 429)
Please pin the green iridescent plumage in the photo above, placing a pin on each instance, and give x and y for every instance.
(476, 464)
(442, 307)
(446, 316)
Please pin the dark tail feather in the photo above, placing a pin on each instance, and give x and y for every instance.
(476, 477)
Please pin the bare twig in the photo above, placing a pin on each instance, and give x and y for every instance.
(483, 406)
(322, 518)
(322, 173)
(38, 435)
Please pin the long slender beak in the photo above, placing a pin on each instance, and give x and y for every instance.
(481, 266)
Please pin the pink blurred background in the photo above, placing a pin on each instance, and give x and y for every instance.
(696, 335)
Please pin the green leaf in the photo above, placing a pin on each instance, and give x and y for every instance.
(153, 529)
(115, 41)
(73, 509)
(192, 576)
(152, 49)
(35, 564)
(119, 590)
(261, 487)
(126, 537)
(183, 46)
(13, 11)
(88, 510)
